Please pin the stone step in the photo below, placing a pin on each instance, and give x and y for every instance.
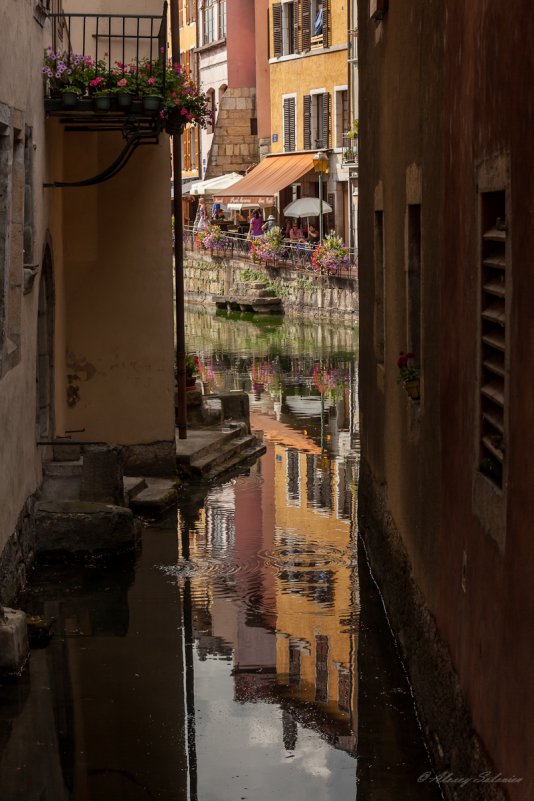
(247, 455)
(206, 464)
(63, 469)
(201, 442)
(61, 488)
(133, 485)
(158, 495)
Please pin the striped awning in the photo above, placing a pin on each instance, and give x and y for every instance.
(270, 176)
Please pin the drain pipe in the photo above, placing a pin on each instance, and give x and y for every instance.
(178, 245)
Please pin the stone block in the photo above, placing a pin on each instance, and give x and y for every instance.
(14, 648)
(152, 458)
(83, 527)
(102, 475)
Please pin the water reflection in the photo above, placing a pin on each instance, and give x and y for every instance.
(244, 655)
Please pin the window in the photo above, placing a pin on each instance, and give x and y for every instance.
(285, 28)
(12, 189)
(413, 282)
(316, 120)
(289, 123)
(342, 116)
(493, 331)
(208, 22)
(222, 19)
(379, 315)
(211, 97)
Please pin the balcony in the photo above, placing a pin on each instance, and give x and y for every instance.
(349, 154)
(100, 51)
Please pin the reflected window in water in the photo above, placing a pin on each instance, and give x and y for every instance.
(321, 668)
(293, 477)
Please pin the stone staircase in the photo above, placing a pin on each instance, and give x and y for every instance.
(209, 453)
(253, 296)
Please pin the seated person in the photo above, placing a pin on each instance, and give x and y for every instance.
(295, 233)
(305, 230)
(220, 215)
(313, 235)
(286, 228)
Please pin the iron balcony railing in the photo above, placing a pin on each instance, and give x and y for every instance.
(350, 149)
(116, 38)
(295, 256)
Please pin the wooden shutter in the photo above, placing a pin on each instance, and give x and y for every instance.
(289, 123)
(296, 48)
(326, 119)
(306, 24)
(180, 13)
(307, 122)
(187, 17)
(326, 23)
(277, 29)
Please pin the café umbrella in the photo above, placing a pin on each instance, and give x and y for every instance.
(306, 207)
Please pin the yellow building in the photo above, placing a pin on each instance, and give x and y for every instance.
(309, 92)
(187, 18)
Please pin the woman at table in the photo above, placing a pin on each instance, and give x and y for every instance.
(295, 233)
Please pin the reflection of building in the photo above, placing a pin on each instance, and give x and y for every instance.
(280, 602)
(315, 652)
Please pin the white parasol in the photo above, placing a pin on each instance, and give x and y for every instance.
(306, 207)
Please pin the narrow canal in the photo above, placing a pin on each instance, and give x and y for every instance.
(243, 653)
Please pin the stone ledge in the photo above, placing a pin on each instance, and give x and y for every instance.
(83, 527)
(14, 648)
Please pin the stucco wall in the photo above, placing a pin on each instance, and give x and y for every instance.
(118, 293)
(21, 105)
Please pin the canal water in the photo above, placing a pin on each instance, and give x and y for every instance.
(243, 652)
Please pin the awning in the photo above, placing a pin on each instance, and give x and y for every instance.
(215, 184)
(263, 182)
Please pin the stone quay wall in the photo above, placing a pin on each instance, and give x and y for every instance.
(301, 292)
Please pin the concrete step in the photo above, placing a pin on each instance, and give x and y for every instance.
(61, 488)
(158, 495)
(201, 442)
(63, 469)
(133, 485)
(247, 455)
(209, 464)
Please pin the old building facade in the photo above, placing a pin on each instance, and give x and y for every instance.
(446, 176)
(86, 291)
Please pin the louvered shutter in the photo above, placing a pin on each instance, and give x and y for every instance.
(277, 29)
(326, 23)
(296, 48)
(306, 24)
(180, 13)
(187, 16)
(307, 122)
(326, 119)
(289, 124)
(331, 216)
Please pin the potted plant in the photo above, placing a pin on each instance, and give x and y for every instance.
(191, 363)
(331, 256)
(125, 85)
(70, 94)
(269, 248)
(409, 375)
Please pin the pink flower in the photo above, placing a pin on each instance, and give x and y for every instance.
(122, 82)
(151, 81)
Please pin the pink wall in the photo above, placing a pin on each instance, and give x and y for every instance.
(263, 86)
(241, 44)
